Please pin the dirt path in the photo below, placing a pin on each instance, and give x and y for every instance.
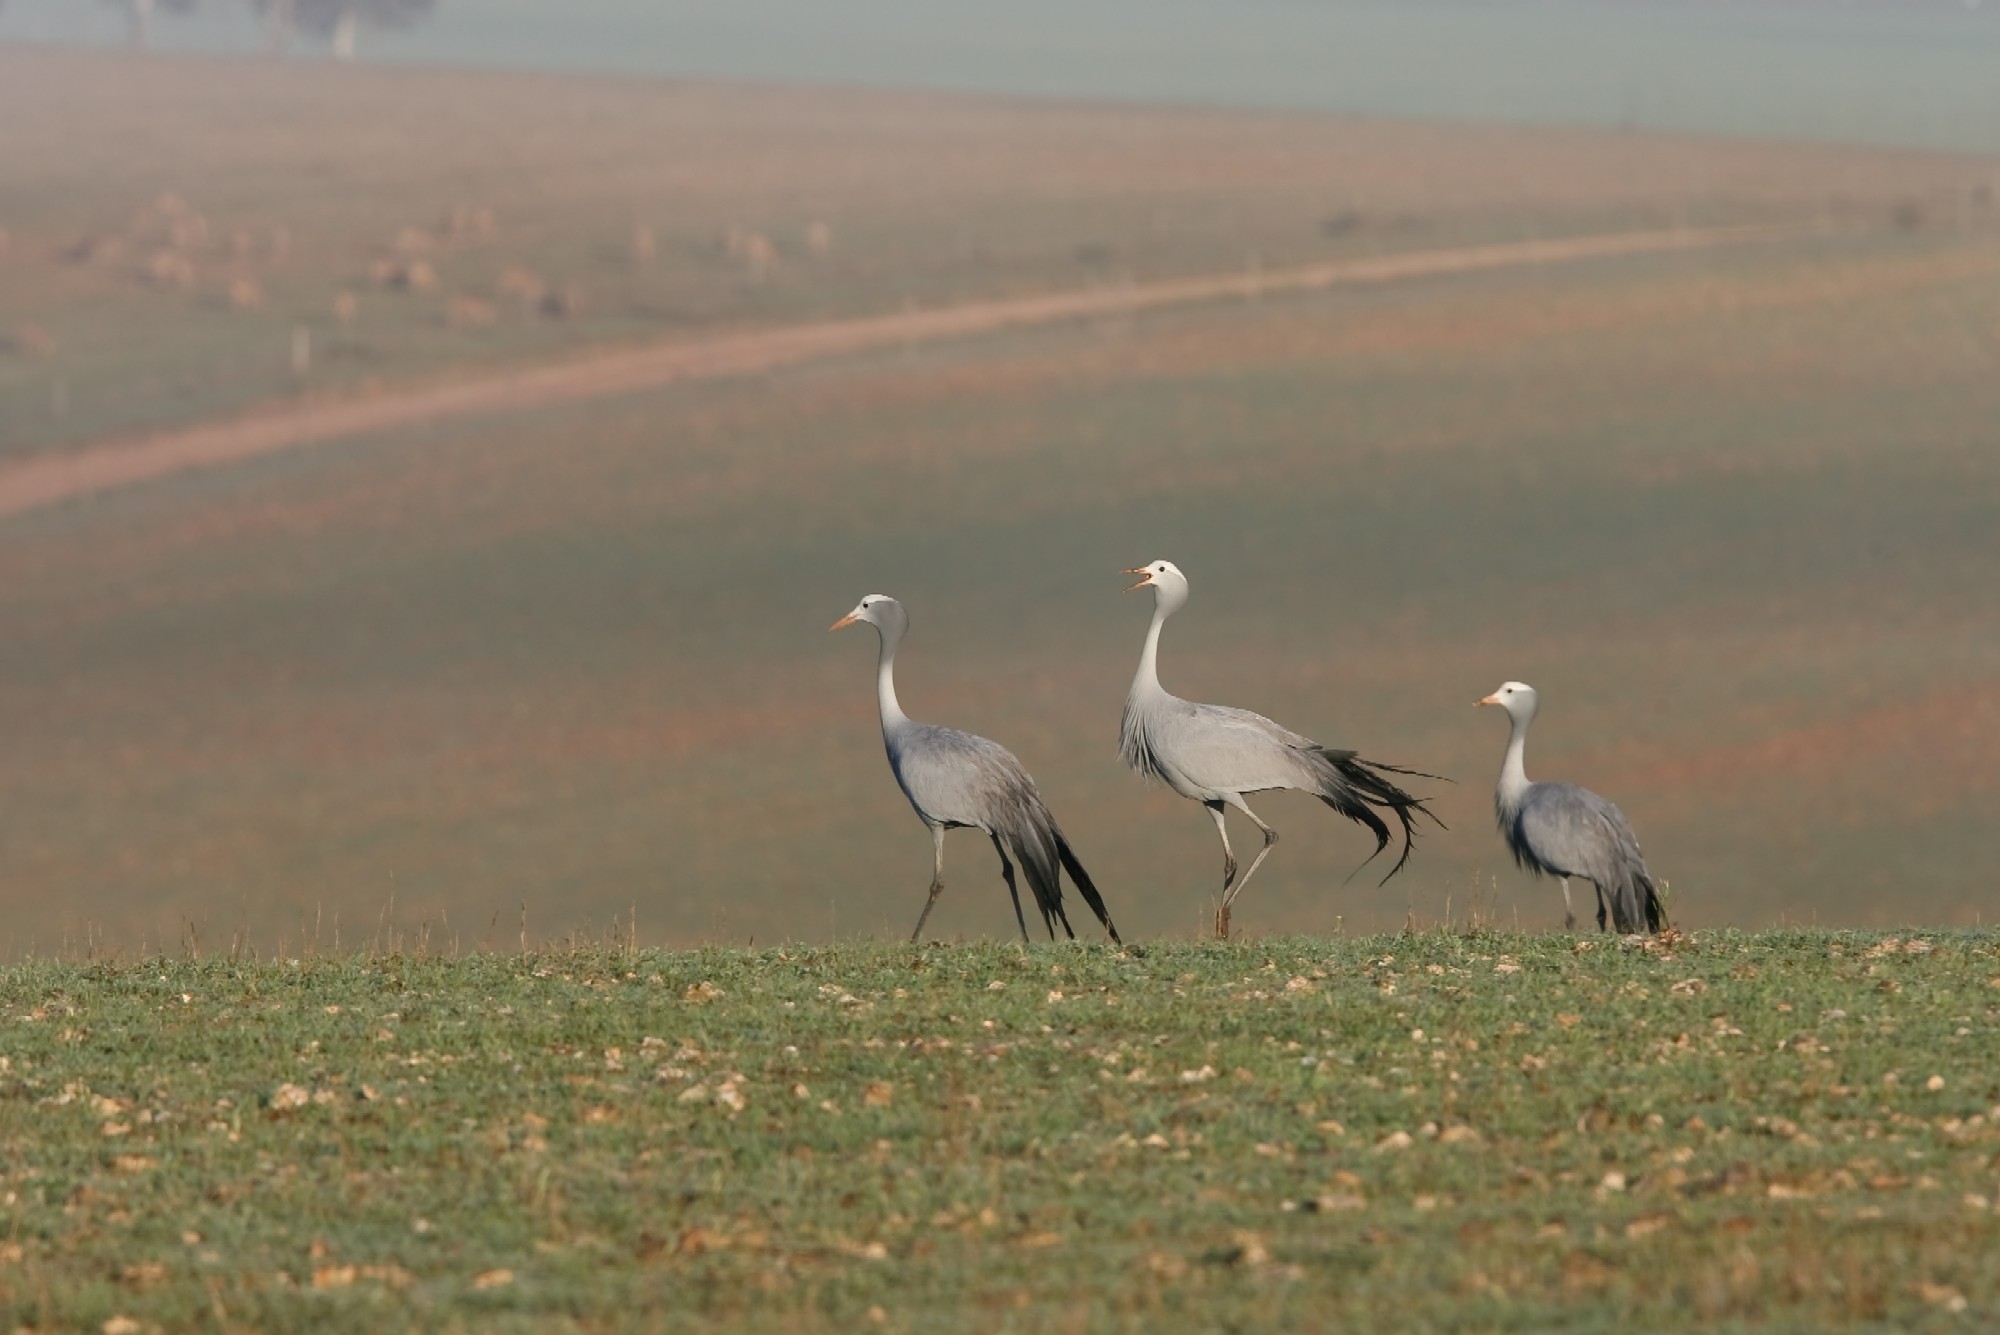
(39, 482)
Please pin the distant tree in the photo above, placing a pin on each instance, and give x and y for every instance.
(140, 12)
(337, 21)
(279, 23)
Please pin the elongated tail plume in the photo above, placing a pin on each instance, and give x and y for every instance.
(1643, 906)
(1083, 883)
(1037, 852)
(1354, 787)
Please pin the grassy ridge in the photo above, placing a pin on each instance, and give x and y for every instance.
(1430, 1130)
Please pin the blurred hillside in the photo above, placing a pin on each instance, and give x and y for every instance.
(1732, 511)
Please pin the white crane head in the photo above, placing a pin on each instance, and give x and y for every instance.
(879, 610)
(1169, 585)
(1516, 697)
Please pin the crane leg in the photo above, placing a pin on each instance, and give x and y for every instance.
(1600, 907)
(1228, 857)
(1228, 869)
(1229, 893)
(1007, 871)
(1569, 914)
(937, 879)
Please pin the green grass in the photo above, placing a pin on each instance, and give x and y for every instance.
(1790, 1130)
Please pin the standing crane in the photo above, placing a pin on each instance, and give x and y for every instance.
(1214, 755)
(1561, 830)
(955, 780)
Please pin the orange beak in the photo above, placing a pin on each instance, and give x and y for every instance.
(847, 620)
(1489, 700)
(1138, 570)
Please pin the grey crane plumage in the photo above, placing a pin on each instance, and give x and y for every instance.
(956, 780)
(1214, 755)
(1561, 830)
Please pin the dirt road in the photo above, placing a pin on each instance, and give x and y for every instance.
(35, 483)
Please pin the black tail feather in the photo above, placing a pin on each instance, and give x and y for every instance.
(1359, 812)
(1364, 784)
(1046, 883)
(1083, 884)
(1651, 910)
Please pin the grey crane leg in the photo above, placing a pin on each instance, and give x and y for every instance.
(1600, 907)
(1007, 870)
(1229, 893)
(1228, 868)
(1569, 914)
(1228, 857)
(937, 879)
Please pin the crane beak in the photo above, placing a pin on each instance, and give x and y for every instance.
(1138, 570)
(847, 620)
(1489, 700)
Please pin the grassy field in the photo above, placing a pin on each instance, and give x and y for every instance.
(400, 705)
(1434, 1130)
(161, 252)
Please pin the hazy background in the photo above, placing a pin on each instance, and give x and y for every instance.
(1876, 71)
(1732, 510)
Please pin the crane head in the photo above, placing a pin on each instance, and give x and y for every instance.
(1516, 697)
(872, 609)
(1157, 573)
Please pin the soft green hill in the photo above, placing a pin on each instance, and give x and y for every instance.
(1426, 1131)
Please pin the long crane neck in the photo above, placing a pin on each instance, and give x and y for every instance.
(893, 716)
(1147, 680)
(1513, 767)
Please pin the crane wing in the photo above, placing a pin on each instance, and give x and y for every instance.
(1214, 747)
(1572, 831)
